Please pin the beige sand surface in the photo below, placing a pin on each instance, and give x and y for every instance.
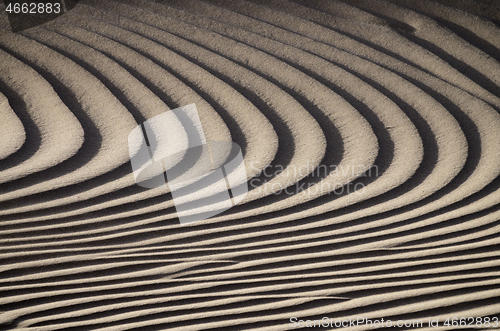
(406, 90)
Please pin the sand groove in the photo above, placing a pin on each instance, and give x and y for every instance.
(406, 91)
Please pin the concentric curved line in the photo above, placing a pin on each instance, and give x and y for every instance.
(406, 91)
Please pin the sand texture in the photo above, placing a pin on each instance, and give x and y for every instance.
(370, 131)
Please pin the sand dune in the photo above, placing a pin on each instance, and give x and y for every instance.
(370, 132)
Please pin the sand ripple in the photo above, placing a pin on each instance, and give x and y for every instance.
(371, 137)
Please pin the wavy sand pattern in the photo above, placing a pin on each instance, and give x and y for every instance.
(408, 91)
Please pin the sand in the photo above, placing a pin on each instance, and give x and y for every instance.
(370, 131)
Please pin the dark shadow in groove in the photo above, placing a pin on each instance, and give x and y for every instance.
(314, 303)
(458, 256)
(473, 157)
(167, 305)
(33, 136)
(353, 37)
(430, 152)
(299, 279)
(335, 146)
(50, 284)
(374, 288)
(115, 174)
(391, 22)
(284, 134)
(471, 134)
(347, 280)
(286, 140)
(141, 263)
(384, 158)
(386, 154)
(461, 66)
(136, 291)
(439, 238)
(467, 70)
(298, 259)
(285, 137)
(386, 151)
(420, 316)
(67, 191)
(425, 135)
(485, 9)
(118, 237)
(92, 137)
(333, 137)
(267, 269)
(470, 37)
(369, 44)
(137, 237)
(33, 228)
(430, 159)
(383, 161)
(9, 325)
(428, 230)
(468, 126)
(117, 93)
(489, 189)
(235, 130)
(351, 271)
(474, 152)
(331, 229)
(122, 98)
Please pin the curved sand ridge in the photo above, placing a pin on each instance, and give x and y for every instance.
(405, 91)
